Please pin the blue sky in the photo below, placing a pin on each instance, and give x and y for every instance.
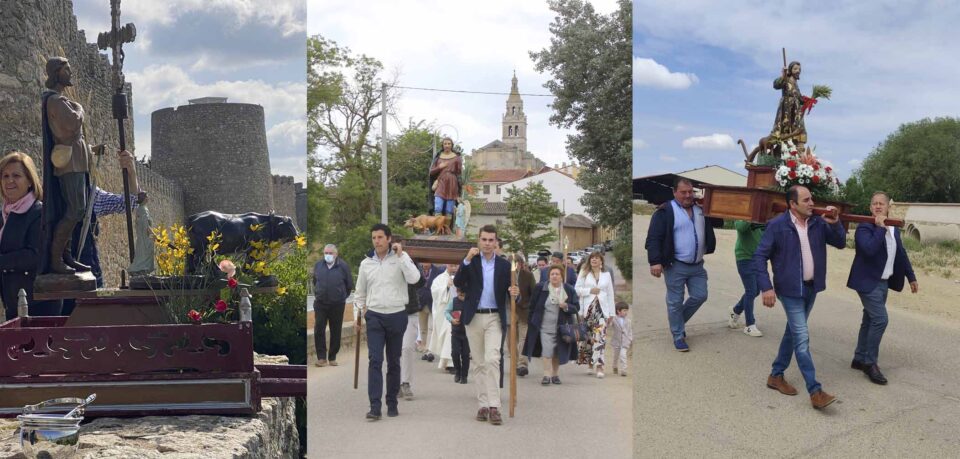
(251, 51)
(703, 74)
(455, 45)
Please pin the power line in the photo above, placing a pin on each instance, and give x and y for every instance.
(463, 91)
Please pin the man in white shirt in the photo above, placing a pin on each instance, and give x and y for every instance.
(382, 297)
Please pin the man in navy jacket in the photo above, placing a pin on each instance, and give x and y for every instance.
(796, 245)
(881, 264)
(485, 279)
(678, 238)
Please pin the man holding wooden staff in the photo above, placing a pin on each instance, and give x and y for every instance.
(796, 245)
(486, 279)
(382, 297)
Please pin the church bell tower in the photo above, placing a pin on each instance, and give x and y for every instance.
(514, 120)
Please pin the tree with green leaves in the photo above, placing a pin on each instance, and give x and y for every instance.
(920, 162)
(589, 59)
(530, 217)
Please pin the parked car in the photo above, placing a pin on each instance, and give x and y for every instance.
(532, 259)
(575, 257)
(588, 250)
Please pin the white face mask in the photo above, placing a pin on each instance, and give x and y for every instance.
(328, 258)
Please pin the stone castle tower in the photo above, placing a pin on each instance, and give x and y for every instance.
(510, 151)
(217, 151)
(514, 120)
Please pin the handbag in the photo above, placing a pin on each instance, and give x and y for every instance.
(573, 331)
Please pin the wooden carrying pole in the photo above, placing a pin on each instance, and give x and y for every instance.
(851, 218)
(513, 338)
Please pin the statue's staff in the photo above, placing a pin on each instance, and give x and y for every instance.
(114, 39)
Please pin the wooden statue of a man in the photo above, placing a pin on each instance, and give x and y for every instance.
(66, 166)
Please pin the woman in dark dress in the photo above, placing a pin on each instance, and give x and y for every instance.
(554, 303)
(20, 234)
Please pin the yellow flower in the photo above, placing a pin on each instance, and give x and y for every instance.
(301, 241)
(256, 227)
(281, 291)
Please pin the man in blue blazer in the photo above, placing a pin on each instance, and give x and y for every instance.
(881, 264)
(485, 279)
(796, 245)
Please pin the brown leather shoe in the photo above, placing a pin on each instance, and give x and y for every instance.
(821, 399)
(780, 384)
(495, 418)
(483, 414)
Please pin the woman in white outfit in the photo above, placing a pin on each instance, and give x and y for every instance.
(595, 289)
(442, 290)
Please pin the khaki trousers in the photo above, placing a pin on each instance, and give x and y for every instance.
(484, 333)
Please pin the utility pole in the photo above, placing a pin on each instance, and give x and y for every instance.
(383, 153)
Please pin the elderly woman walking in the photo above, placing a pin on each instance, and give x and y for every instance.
(554, 303)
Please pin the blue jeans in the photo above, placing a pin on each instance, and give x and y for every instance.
(750, 290)
(443, 206)
(694, 279)
(873, 324)
(796, 338)
(384, 331)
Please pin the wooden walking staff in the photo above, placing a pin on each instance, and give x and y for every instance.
(356, 354)
(513, 336)
(115, 38)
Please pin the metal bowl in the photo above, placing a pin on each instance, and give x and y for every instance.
(51, 435)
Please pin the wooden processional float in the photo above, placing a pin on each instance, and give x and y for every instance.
(138, 365)
(760, 201)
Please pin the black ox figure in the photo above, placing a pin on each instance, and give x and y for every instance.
(236, 231)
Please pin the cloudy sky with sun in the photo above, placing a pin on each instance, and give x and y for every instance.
(703, 74)
(251, 51)
(472, 46)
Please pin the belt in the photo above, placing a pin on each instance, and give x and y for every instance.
(486, 311)
(808, 283)
(690, 264)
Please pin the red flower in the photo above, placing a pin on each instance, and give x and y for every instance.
(220, 306)
(828, 169)
(816, 179)
(816, 166)
(232, 282)
(792, 164)
(792, 174)
(194, 315)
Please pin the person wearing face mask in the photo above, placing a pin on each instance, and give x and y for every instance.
(332, 283)
(20, 234)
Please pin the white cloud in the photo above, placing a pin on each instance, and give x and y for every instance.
(668, 158)
(171, 86)
(647, 72)
(855, 162)
(285, 14)
(290, 132)
(639, 144)
(709, 142)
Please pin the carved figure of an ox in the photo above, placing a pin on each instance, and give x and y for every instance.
(236, 231)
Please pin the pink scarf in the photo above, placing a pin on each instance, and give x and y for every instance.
(21, 206)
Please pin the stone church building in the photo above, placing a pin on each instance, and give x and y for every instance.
(509, 152)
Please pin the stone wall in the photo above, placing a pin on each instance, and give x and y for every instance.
(301, 205)
(30, 32)
(285, 196)
(217, 152)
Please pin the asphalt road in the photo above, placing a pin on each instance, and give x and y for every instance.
(583, 417)
(713, 401)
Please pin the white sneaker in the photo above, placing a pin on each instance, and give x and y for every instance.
(734, 321)
(599, 375)
(752, 330)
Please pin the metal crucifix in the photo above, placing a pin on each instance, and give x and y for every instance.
(115, 38)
